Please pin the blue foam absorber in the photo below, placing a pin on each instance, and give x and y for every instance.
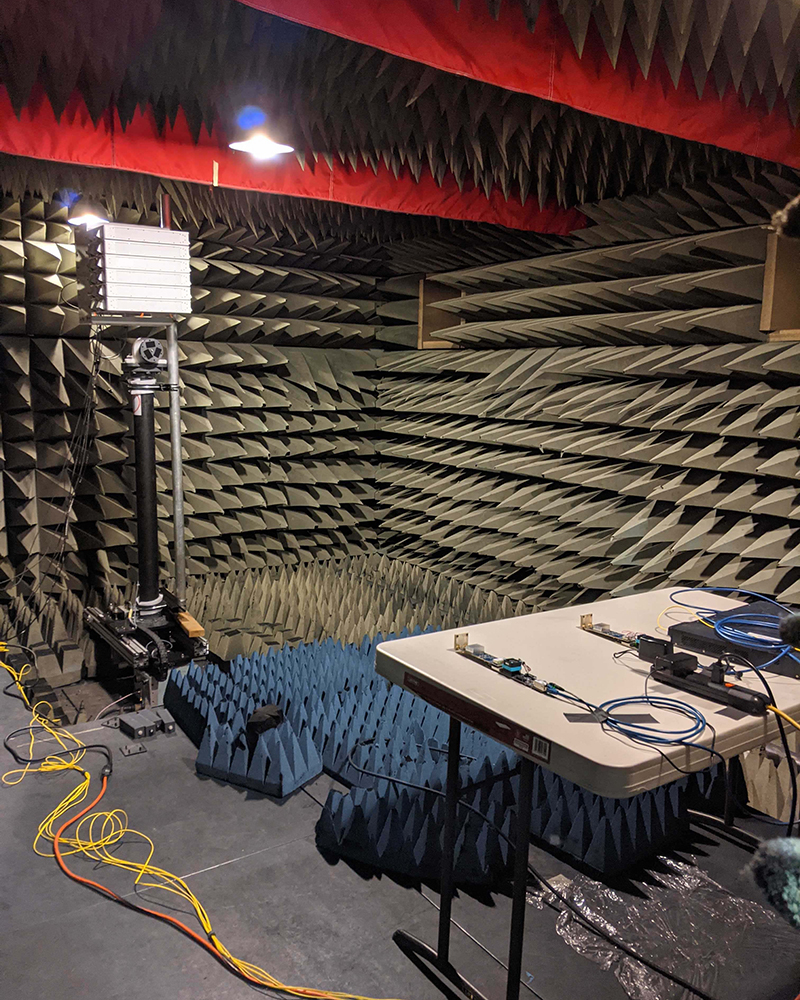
(340, 716)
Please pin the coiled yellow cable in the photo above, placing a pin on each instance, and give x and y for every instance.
(97, 833)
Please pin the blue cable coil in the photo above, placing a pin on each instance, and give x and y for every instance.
(650, 734)
(646, 733)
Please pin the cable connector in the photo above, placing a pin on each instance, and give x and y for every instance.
(105, 771)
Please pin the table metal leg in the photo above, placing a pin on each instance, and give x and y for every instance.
(440, 958)
(519, 898)
(730, 802)
(449, 838)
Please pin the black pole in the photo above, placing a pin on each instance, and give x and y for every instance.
(520, 892)
(146, 520)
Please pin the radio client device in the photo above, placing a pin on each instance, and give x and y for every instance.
(509, 666)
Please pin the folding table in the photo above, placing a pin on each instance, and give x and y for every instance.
(536, 726)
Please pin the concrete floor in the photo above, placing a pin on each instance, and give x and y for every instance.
(272, 898)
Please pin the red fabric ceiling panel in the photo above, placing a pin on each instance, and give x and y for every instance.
(503, 52)
(173, 155)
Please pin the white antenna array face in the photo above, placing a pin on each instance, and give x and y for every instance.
(136, 269)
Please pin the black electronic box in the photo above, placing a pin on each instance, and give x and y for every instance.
(701, 638)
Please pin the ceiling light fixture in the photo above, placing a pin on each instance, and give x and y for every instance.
(261, 147)
(87, 212)
(254, 140)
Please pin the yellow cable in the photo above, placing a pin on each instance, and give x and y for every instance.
(98, 832)
(682, 608)
(783, 715)
(17, 675)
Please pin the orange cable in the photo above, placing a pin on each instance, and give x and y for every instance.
(143, 909)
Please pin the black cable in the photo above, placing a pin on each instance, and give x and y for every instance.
(781, 730)
(728, 786)
(745, 809)
(25, 649)
(19, 759)
(159, 644)
(103, 890)
(586, 921)
(29, 685)
(573, 699)
(13, 694)
(107, 893)
(672, 764)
